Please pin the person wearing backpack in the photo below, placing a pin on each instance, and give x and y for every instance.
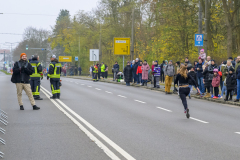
(169, 72)
(21, 76)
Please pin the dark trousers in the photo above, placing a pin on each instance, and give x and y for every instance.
(229, 92)
(95, 76)
(208, 89)
(103, 74)
(55, 87)
(79, 73)
(162, 78)
(106, 74)
(216, 91)
(35, 86)
(135, 78)
(183, 92)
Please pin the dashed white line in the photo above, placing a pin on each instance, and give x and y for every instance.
(139, 101)
(198, 120)
(109, 92)
(89, 86)
(164, 109)
(237, 132)
(97, 89)
(76, 82)
(82, 84)
(122, 96)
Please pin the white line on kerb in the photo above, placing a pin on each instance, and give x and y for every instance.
(97, 89)
(198, 120)
(106, 139)
(139, 101)
(237, 132)
(122, 96)
(89, 86)
(108, 92)
(90, 135)
(164, 109)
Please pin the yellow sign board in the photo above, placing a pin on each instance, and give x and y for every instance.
(65, 59)
(122, 46)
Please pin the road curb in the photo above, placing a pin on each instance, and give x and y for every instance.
(160, 90)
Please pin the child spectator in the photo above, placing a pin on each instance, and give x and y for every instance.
(202, 55)
(139, 73)
(216, 83)
(230, 83)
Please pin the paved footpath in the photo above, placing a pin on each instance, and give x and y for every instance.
(96, 120)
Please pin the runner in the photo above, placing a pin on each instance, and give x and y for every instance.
(184, 89)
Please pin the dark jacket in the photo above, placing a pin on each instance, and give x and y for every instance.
(209, 71)
(231, 81)
(207, 82)
(200, 71)
(128, 73)
(116, 66)
(237, 71)
(194, 76)
(189, 65)
(51, 69)
(39, 68)
(135, 67)
(21, 74)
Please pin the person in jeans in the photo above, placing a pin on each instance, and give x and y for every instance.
(237, 69)
(169, 73)
(199, 71)
(21, 76)
(139, 73)
(128, 74)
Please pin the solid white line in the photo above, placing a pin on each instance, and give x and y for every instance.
(89, 86)
(122, 96)
(97, 89)
(106, 139)
(90, 135)
(139, 101)
(164, 109)
(237, 132)
(198, 120)
(108, 92)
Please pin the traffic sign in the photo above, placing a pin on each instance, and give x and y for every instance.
(94, 55)
(199, 40)
(122, 46)
(76, 58)
(65, 59)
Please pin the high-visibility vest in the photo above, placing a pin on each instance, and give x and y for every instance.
(103, 68)
(35, 73)
(95, 69)
(56, 68)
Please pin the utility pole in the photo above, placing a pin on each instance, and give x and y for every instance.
(100, 39)
(79, 53)
(200, 22)
(206, 26)
(132, 46)
(4, 61)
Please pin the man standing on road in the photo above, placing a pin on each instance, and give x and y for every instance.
(54, 75)
(35, 77)
(95, 73)
(21, 75)
(169, 73)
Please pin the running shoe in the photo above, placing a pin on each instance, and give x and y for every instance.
(187, 115)
(212, 96)
(215, 97)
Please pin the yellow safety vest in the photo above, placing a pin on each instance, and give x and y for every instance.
(56, 73)
(35, 73)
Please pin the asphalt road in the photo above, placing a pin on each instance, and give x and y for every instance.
(100, 121)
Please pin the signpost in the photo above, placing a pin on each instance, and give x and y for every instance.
(94, 55)
(122, 47)
(199, 40)
(76, 58)
(65, 59)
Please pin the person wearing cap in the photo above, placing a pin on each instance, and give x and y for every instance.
(21, 75)
(169, 72)
(103, 70)
(54, 74)
(35, 77)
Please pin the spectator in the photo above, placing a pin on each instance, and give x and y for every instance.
(216, 83)
(106, 71)
(169, 73)
(133, 62)
(79, 70)
(210, 70)
(157, 73)
(230, 83)
(115, 70)
(199, 70)
(188, 63)
(90, 71)
(128, 74)
(191, 80)
(202, 55)
(145, 69)
(237, 69)
(103, 70)
(233, 62)
(135, 67)
(139, 73)
(76, 71)
(99, 72)
(195, 65)
(207, 82)
(225, 70)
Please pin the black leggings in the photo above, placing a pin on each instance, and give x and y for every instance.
(183, 92)
(162, 78)
(229, 92)
(208, 89)
(216, 90)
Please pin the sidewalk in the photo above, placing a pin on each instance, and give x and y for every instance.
(161, 89)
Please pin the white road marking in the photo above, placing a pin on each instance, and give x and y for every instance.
(90, 135)
(82, 84)
(164, 109)
(76, 82)
(71, 81)
(198, 120)
(122, 96)
(109, 92)
(106, 139)
(237, 132)
(89, 86)
(97, 89)
(139, 101)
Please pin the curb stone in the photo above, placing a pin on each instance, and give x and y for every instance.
(159, 89)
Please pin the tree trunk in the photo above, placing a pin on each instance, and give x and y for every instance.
(229, 41)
